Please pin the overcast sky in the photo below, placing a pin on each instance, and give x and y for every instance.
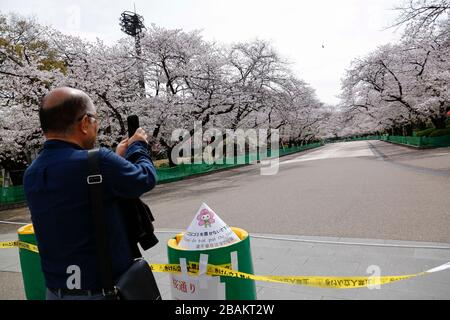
(297, 28)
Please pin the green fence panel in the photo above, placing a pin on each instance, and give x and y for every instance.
(433, 142)
(15, 194)
(11, 195)
(185, 170)
(443, 141)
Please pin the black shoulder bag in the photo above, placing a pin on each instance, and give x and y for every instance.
(138, 282)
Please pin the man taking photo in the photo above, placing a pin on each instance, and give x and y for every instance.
(58, 195)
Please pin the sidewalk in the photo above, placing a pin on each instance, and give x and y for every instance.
(278, 257)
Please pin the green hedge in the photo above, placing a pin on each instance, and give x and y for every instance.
(440, 132)
(433, 132)
(424, 133)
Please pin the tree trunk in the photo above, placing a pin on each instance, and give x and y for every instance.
(439, 122)
(17, 177)
(397, 131)
(407, 130)
(421, 125)
(169, 155)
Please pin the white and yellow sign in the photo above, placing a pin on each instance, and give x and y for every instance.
(207, 231)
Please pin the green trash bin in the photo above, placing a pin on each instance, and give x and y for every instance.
(30, 262)
(235, 288)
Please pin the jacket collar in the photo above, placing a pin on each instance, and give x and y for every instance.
(60, 144)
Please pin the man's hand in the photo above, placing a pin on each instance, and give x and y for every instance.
(139, 135)
(122, 147)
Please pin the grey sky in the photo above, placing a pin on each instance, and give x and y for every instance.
(298, 29)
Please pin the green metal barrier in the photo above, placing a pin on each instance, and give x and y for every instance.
(185, 170)
(235, 288)
(422, 142)
(12, 195)
(443, 141)
(430, 142)
(30, 263)
(16, 194)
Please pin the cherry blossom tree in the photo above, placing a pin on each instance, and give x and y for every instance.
(187, 79)
(28, 67)
(403, 86)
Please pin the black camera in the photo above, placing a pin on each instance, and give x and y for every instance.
(137, 215)
(133, 124)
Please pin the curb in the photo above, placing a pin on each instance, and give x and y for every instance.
(4, 207)
(410, 145)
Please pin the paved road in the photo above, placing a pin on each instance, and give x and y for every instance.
(364, 189)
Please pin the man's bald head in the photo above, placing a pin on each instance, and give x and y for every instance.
(62, 107)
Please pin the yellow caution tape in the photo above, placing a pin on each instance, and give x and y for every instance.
(20, 244)
(28, 246)
(226, 271)
(312, 281)
(192, 267)
(9, 244)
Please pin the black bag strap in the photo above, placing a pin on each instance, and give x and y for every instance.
(94, 181)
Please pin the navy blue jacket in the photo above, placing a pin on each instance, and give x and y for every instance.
(58, 198)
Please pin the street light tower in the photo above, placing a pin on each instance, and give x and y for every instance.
(133, 24)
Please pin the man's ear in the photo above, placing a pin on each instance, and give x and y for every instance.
(84, 124)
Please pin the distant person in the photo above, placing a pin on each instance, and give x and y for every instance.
(58, 195)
